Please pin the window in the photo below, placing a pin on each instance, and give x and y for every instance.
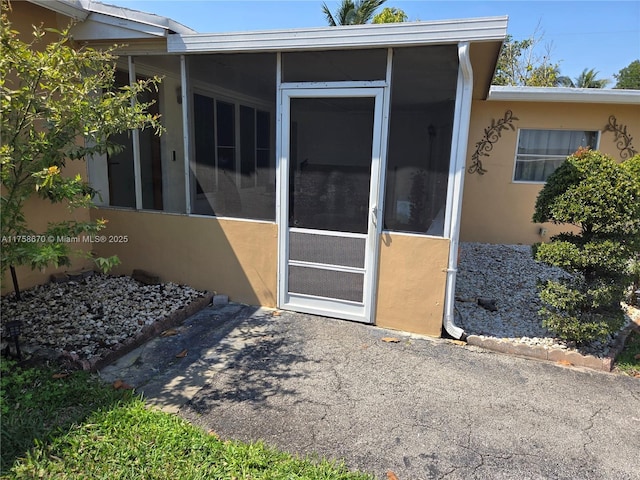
(540, 152)
(255, 138)
(233, 159)
(120, 166)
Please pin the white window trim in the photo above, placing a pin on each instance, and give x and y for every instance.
(515, 155)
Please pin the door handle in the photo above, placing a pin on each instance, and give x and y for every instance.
(374, 216)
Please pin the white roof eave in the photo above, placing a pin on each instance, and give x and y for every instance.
(104, 27)
(99, 21)
(71, 8)
(145, 21)
(358, 36)
(563, 95)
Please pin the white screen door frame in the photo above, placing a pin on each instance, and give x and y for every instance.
(364, 269)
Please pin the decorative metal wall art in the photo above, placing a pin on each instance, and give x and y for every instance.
(621, 137)
(492, 134)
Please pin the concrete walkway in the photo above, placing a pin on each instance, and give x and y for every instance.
(420, 408)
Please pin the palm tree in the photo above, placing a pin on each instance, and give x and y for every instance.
(352, 12)
(587, 79)
(565, 81)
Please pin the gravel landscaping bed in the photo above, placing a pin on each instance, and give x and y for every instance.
(95, 316)
(91, 317)
(507, 274)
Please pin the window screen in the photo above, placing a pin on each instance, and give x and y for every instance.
(423, 96)
(334, 65)
(234, 135)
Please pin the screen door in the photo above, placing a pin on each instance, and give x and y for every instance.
(330, 169)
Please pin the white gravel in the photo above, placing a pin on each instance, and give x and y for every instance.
(90, 317)
(507, 274)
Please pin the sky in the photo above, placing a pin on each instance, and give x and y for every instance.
(599, 34)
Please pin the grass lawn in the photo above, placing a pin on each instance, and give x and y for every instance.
(76, 427)
(628, 362)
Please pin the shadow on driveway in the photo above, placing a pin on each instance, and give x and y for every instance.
(419, 407)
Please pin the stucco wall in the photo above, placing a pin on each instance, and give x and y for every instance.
(232, 257)
(411, 283)
(23, 15)
(497, 210)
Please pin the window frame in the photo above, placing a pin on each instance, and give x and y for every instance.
(551, 156)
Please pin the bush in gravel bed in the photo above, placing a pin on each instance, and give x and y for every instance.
(602, 198)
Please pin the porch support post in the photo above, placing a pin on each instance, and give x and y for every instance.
(184, 92)
(281, 184)
(380, 207)
(456, 184)
(135, 137)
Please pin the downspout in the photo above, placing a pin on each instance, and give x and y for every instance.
(452, 226)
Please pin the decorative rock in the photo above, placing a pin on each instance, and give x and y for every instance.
(220, 299)
(59, 278)
(145, 277)
(488, 304)
(508, 274)
(56, 313)
(77, 276)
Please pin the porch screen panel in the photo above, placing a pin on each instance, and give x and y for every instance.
(327, 249)
(331, 144)
(122, 187)
(423, 95)
(233, 124)
(326, 283)
(334, 65)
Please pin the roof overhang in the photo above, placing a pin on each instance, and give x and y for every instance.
(98, 21)
(564, 95)
(489, 29)
(70, 8)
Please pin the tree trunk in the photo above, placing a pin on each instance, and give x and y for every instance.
(16, 287)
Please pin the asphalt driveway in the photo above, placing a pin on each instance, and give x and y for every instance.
(420, 408)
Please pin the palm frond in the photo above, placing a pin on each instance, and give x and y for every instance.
(327, 13)
(365, 10)
(352, 13)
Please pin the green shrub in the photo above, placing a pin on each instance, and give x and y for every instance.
(602, 198)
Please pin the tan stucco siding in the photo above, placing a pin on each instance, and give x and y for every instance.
(232, 257)
(497, 210)
(411, 283)
(25, 15)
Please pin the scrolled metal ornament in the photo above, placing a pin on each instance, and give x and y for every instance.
(621, 137)
(492, 134)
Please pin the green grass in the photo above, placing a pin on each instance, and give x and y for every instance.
(627, 362)
(124, 439)
(36, 406)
